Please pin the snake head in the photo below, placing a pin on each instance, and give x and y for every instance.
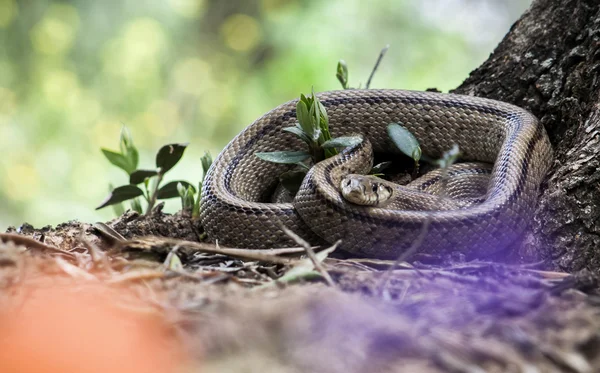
(365, 190)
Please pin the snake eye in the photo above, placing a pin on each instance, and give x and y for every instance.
(374, 188)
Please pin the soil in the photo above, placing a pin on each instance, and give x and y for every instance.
(238, 315)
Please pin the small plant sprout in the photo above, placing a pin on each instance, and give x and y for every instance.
(342, 74)
(128, 158)
(342, 71)
(313, 128)
(189, 200)
(147, 183)
(187, 196)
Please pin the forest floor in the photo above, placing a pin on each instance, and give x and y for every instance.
(156, 304)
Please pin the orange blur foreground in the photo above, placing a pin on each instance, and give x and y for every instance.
(50, 328)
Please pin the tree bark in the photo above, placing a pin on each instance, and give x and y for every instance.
(548, 64)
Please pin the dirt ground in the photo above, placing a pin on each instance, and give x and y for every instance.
(147, 302)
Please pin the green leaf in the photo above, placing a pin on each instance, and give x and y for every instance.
(138, 176)
(120, 194)
(303, 117)
(125, 140)
(292, 180)
(136, 205)
(169, 190)
(128, 149)
(305, 268)
(196, 209)
(317, 110)
(118, 160)
(132, 157)
(286, 157)
(206, 161)
(188, 198)
(298, 132)
(342, 142)
(305, 99)
(118, 208)
(181, 190)
(324, 117)
(342, 73)
(315, 118)
(405, 141)
(417, 154)
(169, 155)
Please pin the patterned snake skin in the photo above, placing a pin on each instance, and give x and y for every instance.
(234, 211)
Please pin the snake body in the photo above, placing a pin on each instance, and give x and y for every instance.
(234, 210)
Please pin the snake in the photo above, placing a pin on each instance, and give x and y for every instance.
(236, 209)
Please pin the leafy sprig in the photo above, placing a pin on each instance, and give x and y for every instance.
(147, 183)
(313, 129)
(189, 199)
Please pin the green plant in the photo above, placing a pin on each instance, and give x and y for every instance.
(407, 143)
(342, 71)
(342, 74)
(151, 180)
(189, 199)
(313, 128)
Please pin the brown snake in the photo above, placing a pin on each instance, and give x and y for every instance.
(234, 211)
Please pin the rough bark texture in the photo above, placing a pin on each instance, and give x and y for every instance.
(548, 63)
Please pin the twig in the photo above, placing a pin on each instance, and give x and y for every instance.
(381, 54)
(248, 254)
(32, 243)
(311, 254)
(549, 274)
(108, 232)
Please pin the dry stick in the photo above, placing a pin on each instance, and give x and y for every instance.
(32, 243)
(109, 232)
(270, 255)
(311, 254)
(259, 255)
(381, 54)
(115, 236)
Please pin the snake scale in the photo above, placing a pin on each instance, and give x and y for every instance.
(234, 210)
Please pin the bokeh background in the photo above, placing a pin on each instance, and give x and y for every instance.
(72, 73)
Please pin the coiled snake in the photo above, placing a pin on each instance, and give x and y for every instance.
(234, 210)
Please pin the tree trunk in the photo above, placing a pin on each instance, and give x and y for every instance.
(548, 64)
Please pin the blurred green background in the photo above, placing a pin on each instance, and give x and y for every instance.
(72, 73)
